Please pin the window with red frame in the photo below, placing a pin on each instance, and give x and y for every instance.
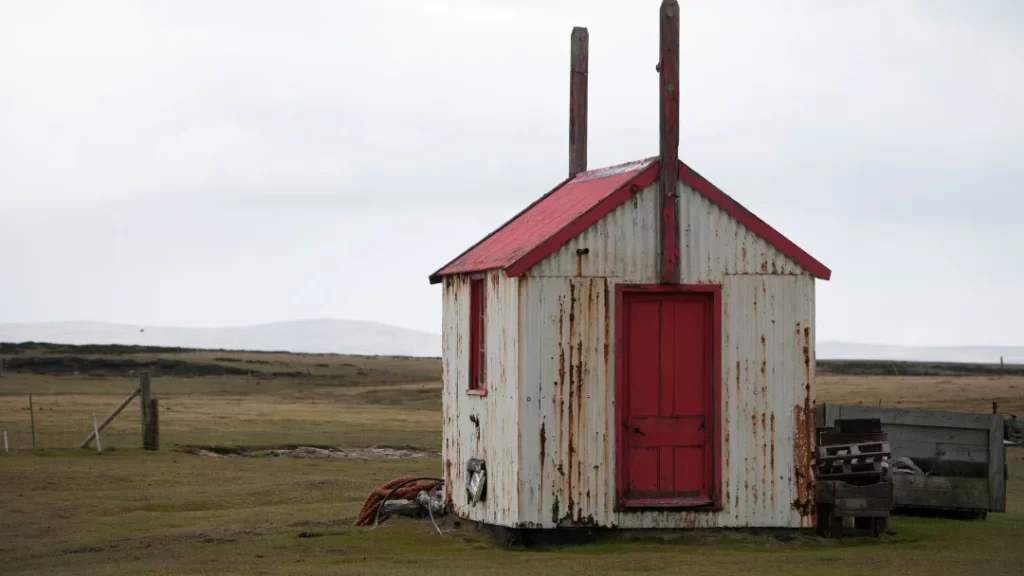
(477, 337)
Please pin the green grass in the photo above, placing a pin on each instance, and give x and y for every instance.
(131, 512)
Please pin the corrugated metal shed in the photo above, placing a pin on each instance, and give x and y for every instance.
(547, 424)
(642, 348)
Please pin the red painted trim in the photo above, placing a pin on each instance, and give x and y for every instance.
(715, 398)
(584, 221)
(668, 69)
(477, 335)
(619, 421)
(705, 188)
(687, 176)
(436, 276)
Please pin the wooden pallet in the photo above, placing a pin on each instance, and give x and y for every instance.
(858, 461)
(840, 470)
(846, 510)
(846, 451)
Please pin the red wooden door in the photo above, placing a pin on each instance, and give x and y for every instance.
(665, 453)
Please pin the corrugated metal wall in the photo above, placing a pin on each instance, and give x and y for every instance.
(566, 399)
(495, 440)
(714, 244)
(622, 245)
(567, 447)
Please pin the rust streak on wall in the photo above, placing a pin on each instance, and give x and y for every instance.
(573, 379)
(543, 442)
(804, 502)
(773, 457)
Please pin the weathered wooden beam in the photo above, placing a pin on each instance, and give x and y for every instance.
(32, 416)
(917, 491)
(996, 466)
(146, 392)
(110, 418)
(579, 68)
(152, 438)
(668, 70)
(906, 416)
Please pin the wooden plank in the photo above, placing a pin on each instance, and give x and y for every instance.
(152, 439)
(961, 453)
(668, 70)
(908, 417)
(847, 451)
(967, 436)
(912, 490)
(146, 392)
(945, 451)
(32, 415)
(997, 467)
(852, 500)
(819, 416)
(862, 506)
(578, 71)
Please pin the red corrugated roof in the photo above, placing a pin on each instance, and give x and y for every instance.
(576, 204)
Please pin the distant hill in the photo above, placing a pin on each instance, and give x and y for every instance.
(312, 336)
(831, 350)
(372, 338)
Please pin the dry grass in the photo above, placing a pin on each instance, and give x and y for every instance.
(219, 411)
(171, 513)
(955, 393)
(130, 512)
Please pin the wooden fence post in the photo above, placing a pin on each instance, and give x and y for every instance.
(96, 432)
(152, 438)
(32, 417)
(146, 395)
(6, 449)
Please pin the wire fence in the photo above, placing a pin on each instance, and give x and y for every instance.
(62, 422)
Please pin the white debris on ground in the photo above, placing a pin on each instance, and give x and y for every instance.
(363, 453)
(371, 453)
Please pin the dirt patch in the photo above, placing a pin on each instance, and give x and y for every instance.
(294, 451)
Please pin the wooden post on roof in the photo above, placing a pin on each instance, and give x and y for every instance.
(578, 70)
(668, 70)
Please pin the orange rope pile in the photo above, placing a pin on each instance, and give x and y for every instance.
(376, 497)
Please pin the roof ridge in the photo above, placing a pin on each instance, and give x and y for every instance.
(614, 169)
(577, 203)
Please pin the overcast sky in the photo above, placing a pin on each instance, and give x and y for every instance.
(232, 163)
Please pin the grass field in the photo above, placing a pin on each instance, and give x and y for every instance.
(68, 511)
